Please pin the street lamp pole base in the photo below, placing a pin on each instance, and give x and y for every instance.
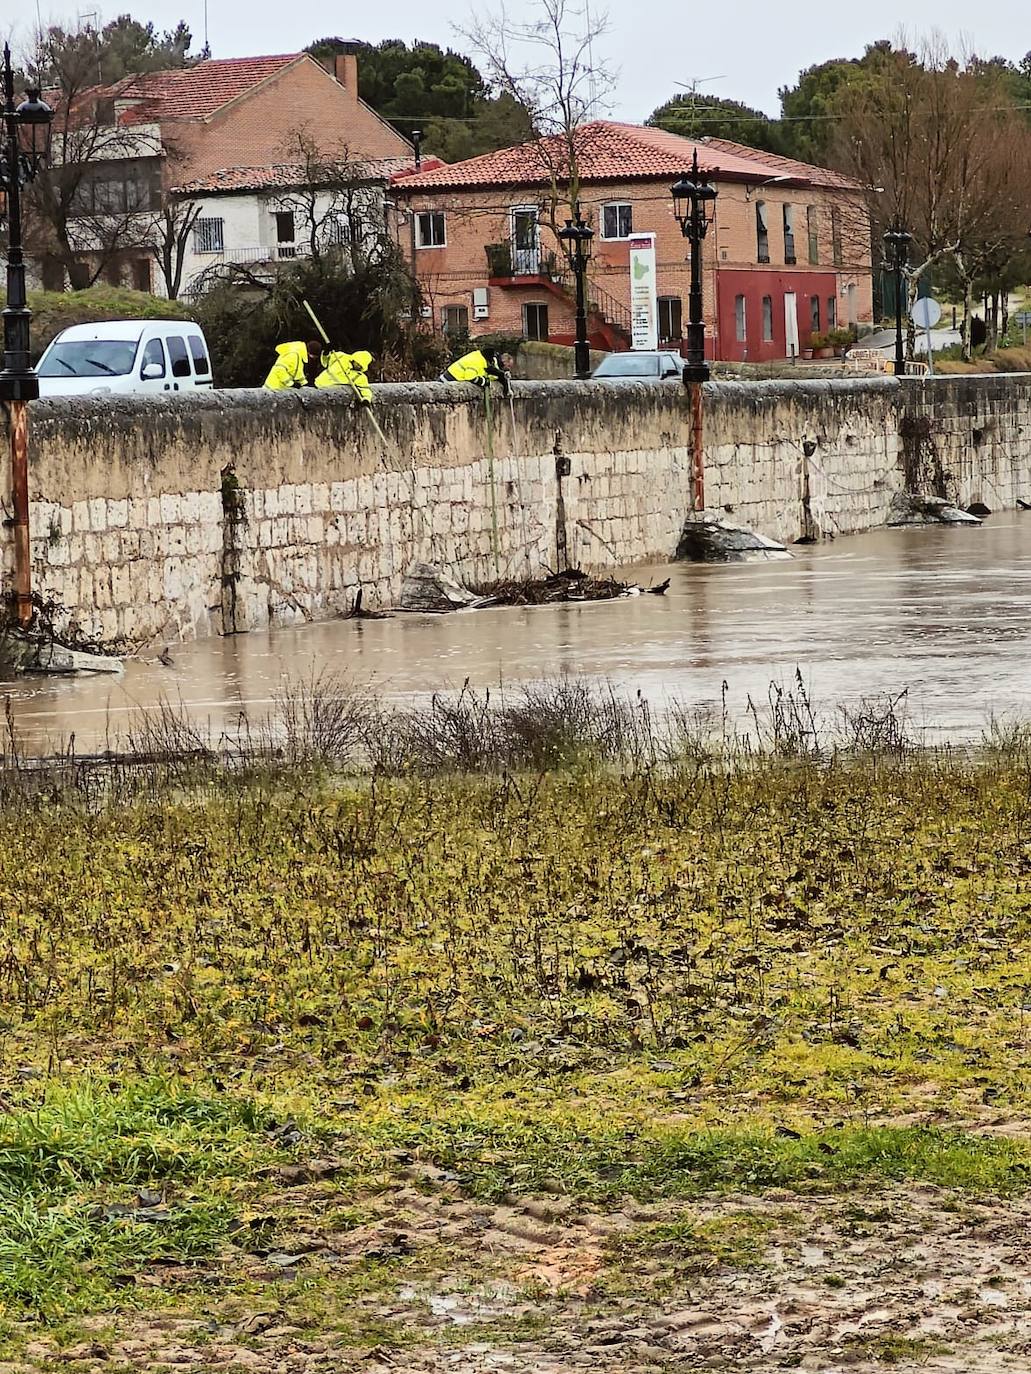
(19, 386)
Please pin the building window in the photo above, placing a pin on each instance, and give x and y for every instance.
(429, 229)
(671, 326)
(53, 275)
(767, 319)
(762, 232)
(789, 234)
(617, 221)
(339, 230)
(832, 312)
(454, 320)
(814, 313)
(740, 318)
(535, 321)
(813, 230)
(836, 236)
(112, 189)
(142, 278)
(208, 236)
(285, 226)
(850, 299)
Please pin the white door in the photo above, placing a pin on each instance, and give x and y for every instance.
(526, 243)
(790, 325)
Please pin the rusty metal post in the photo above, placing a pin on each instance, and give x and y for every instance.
(697, 448)
(18, 419)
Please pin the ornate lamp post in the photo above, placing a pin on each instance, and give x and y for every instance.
(694, 206)
(896, 253)
(24, 149)
(576, 239)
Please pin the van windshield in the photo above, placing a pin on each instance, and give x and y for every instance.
(89, 358)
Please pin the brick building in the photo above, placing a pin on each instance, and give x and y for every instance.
(787, 255)
(219, 135)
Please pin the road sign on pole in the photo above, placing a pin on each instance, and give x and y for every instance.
(925, 315)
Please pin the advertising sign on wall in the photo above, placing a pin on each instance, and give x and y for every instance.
(644, 310)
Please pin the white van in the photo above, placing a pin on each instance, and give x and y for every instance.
(141, 357)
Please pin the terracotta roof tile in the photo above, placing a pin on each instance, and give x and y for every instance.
(284, 175)
(195, 92)
(608, 151)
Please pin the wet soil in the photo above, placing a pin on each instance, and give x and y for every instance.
(433, 1281)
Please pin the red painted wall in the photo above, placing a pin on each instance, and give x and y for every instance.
(756, 284)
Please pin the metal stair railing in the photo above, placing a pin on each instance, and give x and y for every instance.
(599, 301)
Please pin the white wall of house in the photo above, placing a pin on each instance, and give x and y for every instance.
(248, 231)
(244, 231)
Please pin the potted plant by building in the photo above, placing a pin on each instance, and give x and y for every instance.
(820, 343)
(840, 340)
(499, 259)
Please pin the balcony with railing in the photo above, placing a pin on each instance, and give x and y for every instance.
(267, 254)
(509, 266)
(511, 263)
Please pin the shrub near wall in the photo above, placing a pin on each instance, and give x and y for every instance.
(53, 311)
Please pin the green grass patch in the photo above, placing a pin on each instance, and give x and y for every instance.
(98, 1182)
(579, 1156)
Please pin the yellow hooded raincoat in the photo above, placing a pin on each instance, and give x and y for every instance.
(288, 369)
(347, 369)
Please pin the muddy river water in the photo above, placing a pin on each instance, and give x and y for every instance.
(944, 613)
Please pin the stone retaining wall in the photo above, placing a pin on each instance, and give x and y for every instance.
(140, 530)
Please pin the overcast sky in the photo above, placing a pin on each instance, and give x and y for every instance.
(752, 46)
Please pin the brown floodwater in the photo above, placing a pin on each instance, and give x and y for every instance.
(944, 613)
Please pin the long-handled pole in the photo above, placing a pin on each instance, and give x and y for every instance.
(490, 477)
(325, 339)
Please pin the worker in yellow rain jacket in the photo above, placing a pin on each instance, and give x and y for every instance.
(296, 365)
(350, 370)
(479, 367)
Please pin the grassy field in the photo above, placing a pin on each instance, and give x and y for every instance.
(389, 1071)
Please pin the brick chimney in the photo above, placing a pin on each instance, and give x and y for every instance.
(345, 69)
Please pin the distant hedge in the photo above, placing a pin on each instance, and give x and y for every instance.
(53, 311)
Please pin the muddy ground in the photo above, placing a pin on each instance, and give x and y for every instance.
(425, 1279)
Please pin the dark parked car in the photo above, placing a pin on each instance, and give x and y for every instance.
(639, 367)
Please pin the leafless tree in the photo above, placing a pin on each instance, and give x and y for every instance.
(98, 198)
(170, 232)
(337, 201)
(933, 138)
(546, 64)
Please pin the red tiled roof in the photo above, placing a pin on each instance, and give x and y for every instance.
(286, 175)
(195, 92)
(607, 151)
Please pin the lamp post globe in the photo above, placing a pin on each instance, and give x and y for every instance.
(694, 208)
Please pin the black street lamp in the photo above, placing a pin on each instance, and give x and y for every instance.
(694, 206)
(24, 149)
(576, 239)
(896, 252)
